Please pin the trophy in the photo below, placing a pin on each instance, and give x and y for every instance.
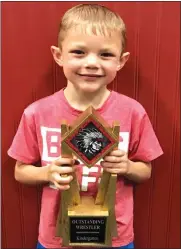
(84, 220)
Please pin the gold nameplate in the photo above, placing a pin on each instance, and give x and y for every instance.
(85, 221)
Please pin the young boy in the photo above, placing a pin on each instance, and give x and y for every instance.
(90, 50)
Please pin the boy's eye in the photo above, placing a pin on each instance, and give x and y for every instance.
(76, 51)
(107, 54)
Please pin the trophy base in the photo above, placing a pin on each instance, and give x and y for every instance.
(88, 224)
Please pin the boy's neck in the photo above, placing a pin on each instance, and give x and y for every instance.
(81, 101)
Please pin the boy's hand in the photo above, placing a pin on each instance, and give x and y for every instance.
(57, 168)
(116, 162)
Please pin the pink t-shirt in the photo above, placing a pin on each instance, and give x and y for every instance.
(38, 138)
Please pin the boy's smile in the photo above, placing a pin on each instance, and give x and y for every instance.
(90, 77)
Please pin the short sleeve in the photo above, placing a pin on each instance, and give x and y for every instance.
(25, 145)
(144, 145)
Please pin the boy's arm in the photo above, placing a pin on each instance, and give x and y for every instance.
(117, 162)
(138, 171)
(30, 174)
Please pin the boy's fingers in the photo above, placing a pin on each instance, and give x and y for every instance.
(117, 153)
(113, 159)
(65, 170)
(109, 165)
(61, 187)
(62, 169)
(64, 161)
(114, 171)
(62, 180)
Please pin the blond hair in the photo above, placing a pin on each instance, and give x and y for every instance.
(100, 20)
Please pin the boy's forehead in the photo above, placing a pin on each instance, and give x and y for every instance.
(83, 39)
(90, 32)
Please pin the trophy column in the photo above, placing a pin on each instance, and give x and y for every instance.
(70, 197)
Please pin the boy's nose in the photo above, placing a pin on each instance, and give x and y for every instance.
(92, 61)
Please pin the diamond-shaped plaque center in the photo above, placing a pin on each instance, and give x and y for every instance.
(90, 141)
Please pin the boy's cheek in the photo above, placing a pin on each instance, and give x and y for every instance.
(72, 64)
(111, 67)
(111, 72)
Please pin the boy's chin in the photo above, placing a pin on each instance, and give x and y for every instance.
(91, 88)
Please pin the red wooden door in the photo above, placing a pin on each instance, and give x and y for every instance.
(151, 76)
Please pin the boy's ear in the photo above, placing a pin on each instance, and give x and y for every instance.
(56, 55)
(123, 60)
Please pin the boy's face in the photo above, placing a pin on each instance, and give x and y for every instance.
(90, 62)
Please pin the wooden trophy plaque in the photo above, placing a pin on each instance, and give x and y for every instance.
(87, 221)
